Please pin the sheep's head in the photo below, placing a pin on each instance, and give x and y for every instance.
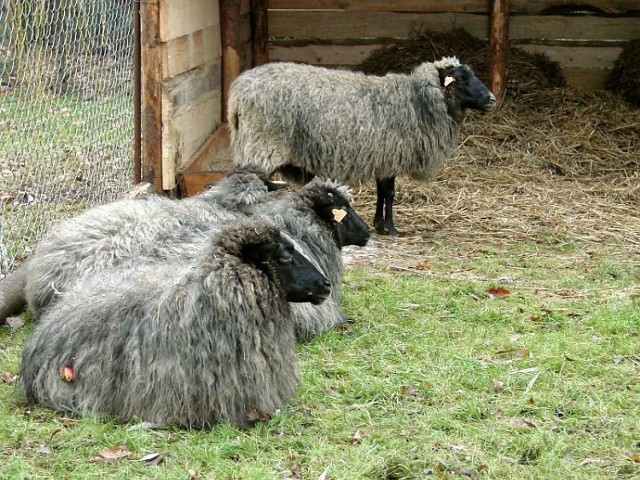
(332, 203)
(461, 86)
(270, 250)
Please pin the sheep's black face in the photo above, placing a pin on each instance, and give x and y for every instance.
(301, 281)
(349, 227)
(470, 92)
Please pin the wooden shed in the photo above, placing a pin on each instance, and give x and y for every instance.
(191, 50)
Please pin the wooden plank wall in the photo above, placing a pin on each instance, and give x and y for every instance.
(585, 40)
(189, 39)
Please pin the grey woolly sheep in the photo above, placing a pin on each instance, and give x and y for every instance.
(157, 229)
(208, 342)
(352, 127)
(150, 229)
(321, 219)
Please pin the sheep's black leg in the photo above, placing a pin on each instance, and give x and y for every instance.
(383, 220)
(378, 220)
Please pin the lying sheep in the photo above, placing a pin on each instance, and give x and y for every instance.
(320, 217)
(207, 342)
(352, 127)
(151, 229)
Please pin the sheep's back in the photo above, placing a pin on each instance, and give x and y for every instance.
(120, 233)
(340, 124)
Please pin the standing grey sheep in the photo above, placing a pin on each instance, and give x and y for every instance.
(319, 216)
(208, 342)
(151, 229)
(350, 126)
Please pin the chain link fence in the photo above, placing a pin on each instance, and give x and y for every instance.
(66, 113)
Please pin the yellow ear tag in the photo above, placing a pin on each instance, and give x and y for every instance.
(448, 81)
(338, 214)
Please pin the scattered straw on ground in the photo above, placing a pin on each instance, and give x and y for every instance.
(551, 165)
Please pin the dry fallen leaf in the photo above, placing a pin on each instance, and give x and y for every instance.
(422, 266)
(114, 454)
(8, 378)
(498, 386)
(254, 415)
(43, 449)
(152, 459)
(357, 437)
(14, 322)
(498, 291)
(332, 393)
(407, 391)
(635, 458)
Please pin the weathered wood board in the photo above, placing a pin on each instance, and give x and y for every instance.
(430, 6)
(342, 33)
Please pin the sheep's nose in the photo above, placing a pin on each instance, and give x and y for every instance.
(491, 101)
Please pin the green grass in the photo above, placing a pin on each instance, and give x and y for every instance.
(436, 378)
(60, 154)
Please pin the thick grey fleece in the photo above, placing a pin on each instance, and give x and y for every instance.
(343, 125)
(126, 232)
(188, 345)
(318, 240)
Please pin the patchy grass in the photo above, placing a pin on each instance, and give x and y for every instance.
(59, 154)
(512, 360)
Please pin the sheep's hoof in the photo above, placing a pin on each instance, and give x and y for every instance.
(387, 230)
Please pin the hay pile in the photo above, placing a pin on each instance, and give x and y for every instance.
(553, 164)
(625, 76)
(525, 71)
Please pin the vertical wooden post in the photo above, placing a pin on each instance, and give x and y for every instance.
(230, 39)
(137, 96)
(499, 47)
(151, 58)
(259, 32)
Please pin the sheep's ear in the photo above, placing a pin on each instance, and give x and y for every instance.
(446, 76)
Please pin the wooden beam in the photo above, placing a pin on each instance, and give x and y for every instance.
(151, 58)
(230, 23)
(438, 6)
(498, 47)
(259, 32)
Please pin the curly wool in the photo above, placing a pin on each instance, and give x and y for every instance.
(341, 124)
(318, 240)
(126, 232)
(189, 345)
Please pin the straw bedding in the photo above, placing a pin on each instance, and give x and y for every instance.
(552, 163)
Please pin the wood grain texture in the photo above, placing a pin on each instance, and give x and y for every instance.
(182, 17)
(344, 25)
(517, 6)
(151, 58)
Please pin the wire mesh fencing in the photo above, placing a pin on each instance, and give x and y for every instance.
(66, 113)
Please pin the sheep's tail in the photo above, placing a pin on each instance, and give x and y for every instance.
(13, 298)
